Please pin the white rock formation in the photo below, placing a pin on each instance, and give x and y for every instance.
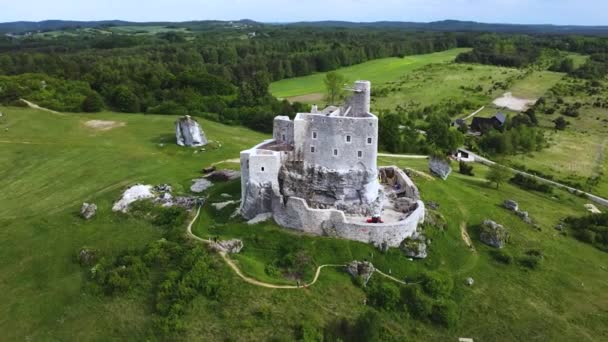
(200, 184)
(134, 193)
(189, 133)
(88, 210)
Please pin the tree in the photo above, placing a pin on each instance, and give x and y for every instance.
(390, 134)
(334, 83)
(442, 136)
(125, 100)
(498, 175)
(92, 103)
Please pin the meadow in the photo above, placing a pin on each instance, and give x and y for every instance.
(378, 71)
(51, 163)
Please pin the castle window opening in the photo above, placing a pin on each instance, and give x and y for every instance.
(360, 154)
(335, 151)
(369, 140)
(314, 134)
(283, 137)
(312, 149)
(348, 138)
(262, 169)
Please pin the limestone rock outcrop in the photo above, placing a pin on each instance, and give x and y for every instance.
(493, 234)
(189, 133)
(511, 205)
(361, 269)
(414, 247)
(200, 184)
(233, 246)
(223, 175)
(88, 210)
(132, 194)
(440, 168)
(87, 256)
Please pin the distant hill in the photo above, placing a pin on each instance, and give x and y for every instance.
(445, 25)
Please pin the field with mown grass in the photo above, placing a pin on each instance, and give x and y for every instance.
(50, 164)
(377, 71)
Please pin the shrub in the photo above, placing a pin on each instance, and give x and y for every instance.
(383, 295)
(437, 284)
(92, 103)
(418, 304)
(466, 169)
(530, 183)
(502, 256)
(445, 312)
(307, 332)
(529, 261)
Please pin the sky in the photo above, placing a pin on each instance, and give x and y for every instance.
(560, 12)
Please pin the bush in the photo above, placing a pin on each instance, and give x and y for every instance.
(436, 284)
(92, 103)
(445, 312)
(383, 295)
(502, 256)
(530, 262)
(418, 304)
(466, 169)
(530, 183)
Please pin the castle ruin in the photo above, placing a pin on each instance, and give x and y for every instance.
(319, 175)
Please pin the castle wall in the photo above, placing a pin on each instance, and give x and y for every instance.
(355, 140)
(296, 214)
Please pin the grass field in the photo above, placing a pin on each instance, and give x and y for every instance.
(50, 164)
(377, 71)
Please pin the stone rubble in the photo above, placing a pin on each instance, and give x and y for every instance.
(87, 256)
(511, 205)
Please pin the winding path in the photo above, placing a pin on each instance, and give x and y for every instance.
(255, 282)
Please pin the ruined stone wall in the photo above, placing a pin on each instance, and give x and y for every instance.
(283, 130)
(296, 214)
(360, 101)
(393, 175)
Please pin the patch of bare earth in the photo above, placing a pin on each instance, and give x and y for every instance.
(514, 103)
(308, 98)
(104, 125)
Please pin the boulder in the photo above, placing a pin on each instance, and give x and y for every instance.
(493, 234)
(163, 188)
(223, 175)
(440, 167)
(511, 205)
(132, 194)
(200, 184)
(361, 269)
(233, 246)
(88, 210)
(414, 247)
(87, 256)
(524, 216)
(189, 133)
(469, 281)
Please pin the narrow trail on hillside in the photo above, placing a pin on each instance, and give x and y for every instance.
(35, 106)
(255, 282)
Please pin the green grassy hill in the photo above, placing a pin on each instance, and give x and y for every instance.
(50, 164)
(377, 71)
